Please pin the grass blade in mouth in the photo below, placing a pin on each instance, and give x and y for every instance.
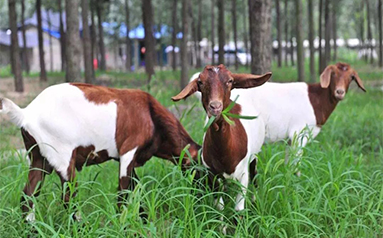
(208, 124)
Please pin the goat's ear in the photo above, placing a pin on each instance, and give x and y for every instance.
(191, 88)
(358, 81)
(325, 77)
(250, 80)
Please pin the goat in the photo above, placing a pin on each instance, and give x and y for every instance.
(288, 108)
(228, 150)
(71, 125)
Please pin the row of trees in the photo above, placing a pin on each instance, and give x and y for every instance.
(293, 22)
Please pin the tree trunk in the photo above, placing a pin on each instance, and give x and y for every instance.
(128, 60)
(369, 32)
(62, 38)
(300, 49)
(93, 36)
(147, 14)
(50, 40)
(234, 18)
(334, 29)
(292, 48)
(212, 31)
(279, 33)
(87, 46)
(327, 33)
(286, 32)
(199, 33)
(102, 63)
(362, 43)
(25, 52)
(260, 35)
(321, 62)
(73, 51)
(380, 17)
(15, 57)
(43, 73)
(221, 32)
(174, 34)
(184, 64)
(245, 32)
(310, 12)
(193, 34)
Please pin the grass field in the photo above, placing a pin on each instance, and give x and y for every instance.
(340, 192)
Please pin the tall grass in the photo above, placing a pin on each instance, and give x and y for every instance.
(340, 192)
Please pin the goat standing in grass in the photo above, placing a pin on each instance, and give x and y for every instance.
(71, 125)
(228, 150)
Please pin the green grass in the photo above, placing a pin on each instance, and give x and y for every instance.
(340, 192)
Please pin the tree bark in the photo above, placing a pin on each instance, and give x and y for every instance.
(184, 64)
(245, 32)
(369, 32)
(334, 29)
(73, 42)
(199, 34)
(221, 32)
(279, 33)
(15, 57)
(212, 31)
(286, 32)
(310, 12)
(62, 38)
(43, 73)
(25, 52)
(327, 33)
(87, 45)
(128, 61)
(380, 30)
(174, 34)
(234, 18)
(147, 14)
(300, 50)
(102, 62)
(260, 35)
(93, 36)
(50, 40)
(321, 62)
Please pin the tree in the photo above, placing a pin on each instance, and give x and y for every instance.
(245, 32)
(286, 31)
(327, 33)
(128, 61)
(102, 62)
(87, 45)
(212, 31)
(184, 64)
(380, 17)
(321, 58)
(199, 33)
(25, 52)
(260, 35)
(73, 42)
(43, 73)
(174, 34)
(62, 38)
(334, 28)
(299, 30)
(221, 32)
(369, 32)
(93, 34)
(234, 18)
(310, 12)
(147, 15)
(50, 39)
(15, 57)
(279, 33)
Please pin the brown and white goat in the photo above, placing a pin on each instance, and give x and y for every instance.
(71, 125)
(229, 150)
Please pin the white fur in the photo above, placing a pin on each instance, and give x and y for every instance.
(125, 161)
(61, 119)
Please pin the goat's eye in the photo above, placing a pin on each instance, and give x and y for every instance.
(230, 81)
(352, 77)
(199, 82)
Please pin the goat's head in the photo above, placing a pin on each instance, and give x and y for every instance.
(215, 84)
(338, 78)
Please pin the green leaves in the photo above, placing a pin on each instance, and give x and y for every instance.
(226, 114)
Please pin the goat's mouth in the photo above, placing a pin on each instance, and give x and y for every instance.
(214, 112)
(339, 97)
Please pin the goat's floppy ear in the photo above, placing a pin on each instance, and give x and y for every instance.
(358, 81)
(325, 77)
(191, 88)
(250, 80)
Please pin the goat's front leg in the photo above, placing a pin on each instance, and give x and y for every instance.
(38, 169)
(241, 174)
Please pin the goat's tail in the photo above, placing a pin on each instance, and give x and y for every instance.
(14, 112)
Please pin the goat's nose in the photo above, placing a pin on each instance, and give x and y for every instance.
(340, 91)
(215, 105)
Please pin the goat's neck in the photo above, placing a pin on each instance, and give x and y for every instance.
(322, 102)
(225, 145)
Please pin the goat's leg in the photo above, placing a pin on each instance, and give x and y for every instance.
(253, 171)
(38, 169)
(241, 174)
